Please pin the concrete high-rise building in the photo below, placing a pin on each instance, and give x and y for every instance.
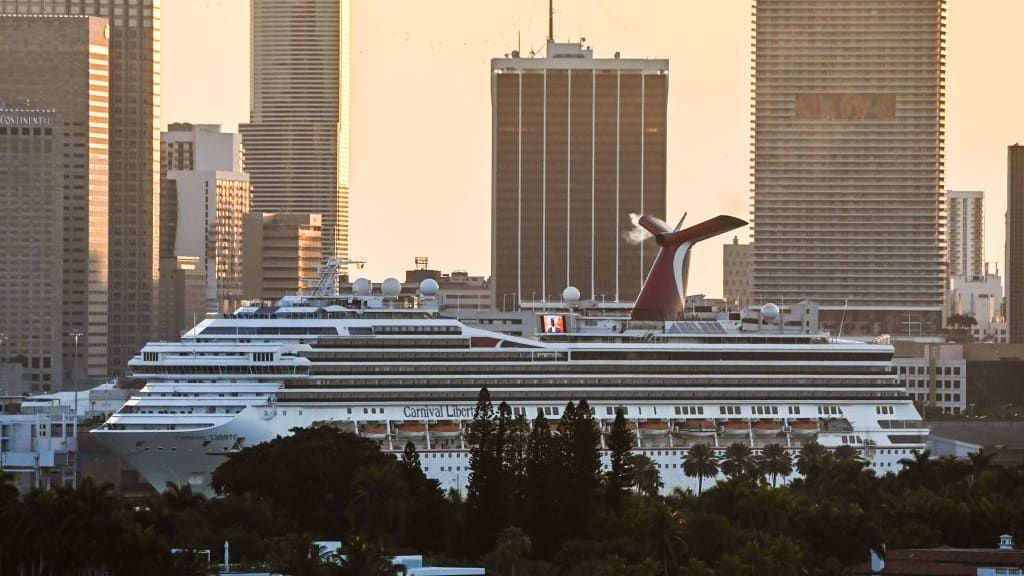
(204, 199)
(183, 295)
(297, 138)
(737, 277)
(1014, 268)
(282, 254)
(577, 146)
(134, 214)
(848, 161)
(54, 197)
(966, 229)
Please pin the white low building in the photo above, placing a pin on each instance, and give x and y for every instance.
(38, 449)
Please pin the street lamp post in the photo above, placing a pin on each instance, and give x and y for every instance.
(3, 360)
(76, 334)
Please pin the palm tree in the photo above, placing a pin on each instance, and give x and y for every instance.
(845, 453)
(364, 559)
(738, 460)
(918, 469)
(700, 462)
(775, 461)
(644, 476)
(811, 459)
(980, 461)
(379, 503)
(180, 497)
(666, 536)
(8, 491)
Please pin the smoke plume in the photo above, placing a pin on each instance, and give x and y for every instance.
(637, 234)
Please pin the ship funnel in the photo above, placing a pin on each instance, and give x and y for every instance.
(664, 290)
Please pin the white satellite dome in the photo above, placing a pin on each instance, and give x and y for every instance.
(769, 312)
(428, 287)
(571, 294)
(362, 287)
(391, 287)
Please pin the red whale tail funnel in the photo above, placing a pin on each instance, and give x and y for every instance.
(664, 291)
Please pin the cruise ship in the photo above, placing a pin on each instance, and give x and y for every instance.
(399, 372)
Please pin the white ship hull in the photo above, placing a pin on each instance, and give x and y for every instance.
(190, 456)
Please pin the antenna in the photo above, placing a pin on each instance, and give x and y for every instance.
(681, 220)
(842, 320)
(551, 20)
(519, 41)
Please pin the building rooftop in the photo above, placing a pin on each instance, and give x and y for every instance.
(944, 561)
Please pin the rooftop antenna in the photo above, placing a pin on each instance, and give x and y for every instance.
(519, 41)
(551, 20)
(842, 320)
(679, 226)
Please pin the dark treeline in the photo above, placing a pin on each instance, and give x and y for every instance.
(539, 502)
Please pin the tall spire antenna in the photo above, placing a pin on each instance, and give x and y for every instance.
(551, 20)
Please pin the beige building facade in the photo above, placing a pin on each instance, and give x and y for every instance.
(297, 137)
(54, 188)
(1014, 268)
(965, 210)
(578, 144)
(282, 254)
(737, 274)
(205, 196)
(134, 120)
(848, 162)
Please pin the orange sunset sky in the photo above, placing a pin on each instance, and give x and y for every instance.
(420, 181)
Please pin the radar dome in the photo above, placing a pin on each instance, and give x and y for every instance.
(571, 294)
(362, 287)
(428, 287)
(391, 287)
(769, 312)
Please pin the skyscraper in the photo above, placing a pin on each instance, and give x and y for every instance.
(54, 158)
(737, 282)
(297, 137)
(966, 228)
(577, 145)
(134, 208)
(1014, 268)
(282, 254)
(848, 160)
(205, 197)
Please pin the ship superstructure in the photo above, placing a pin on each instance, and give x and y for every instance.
(396, 374)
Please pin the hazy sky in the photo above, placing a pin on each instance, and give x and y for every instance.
(420, 183)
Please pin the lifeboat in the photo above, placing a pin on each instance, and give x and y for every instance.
(445, 429)
(411, 429)
(375, 430)
(654, 428)
(697, 427)
(803, 427)
(343, 425)
(767, 428)
(735, 428)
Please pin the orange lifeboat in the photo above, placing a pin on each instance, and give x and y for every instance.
(654, 428)
(735, 428)
(376, 430)
(697, 427)
(767, 428)
(411, 429)
(803, 427)
(445, 429)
